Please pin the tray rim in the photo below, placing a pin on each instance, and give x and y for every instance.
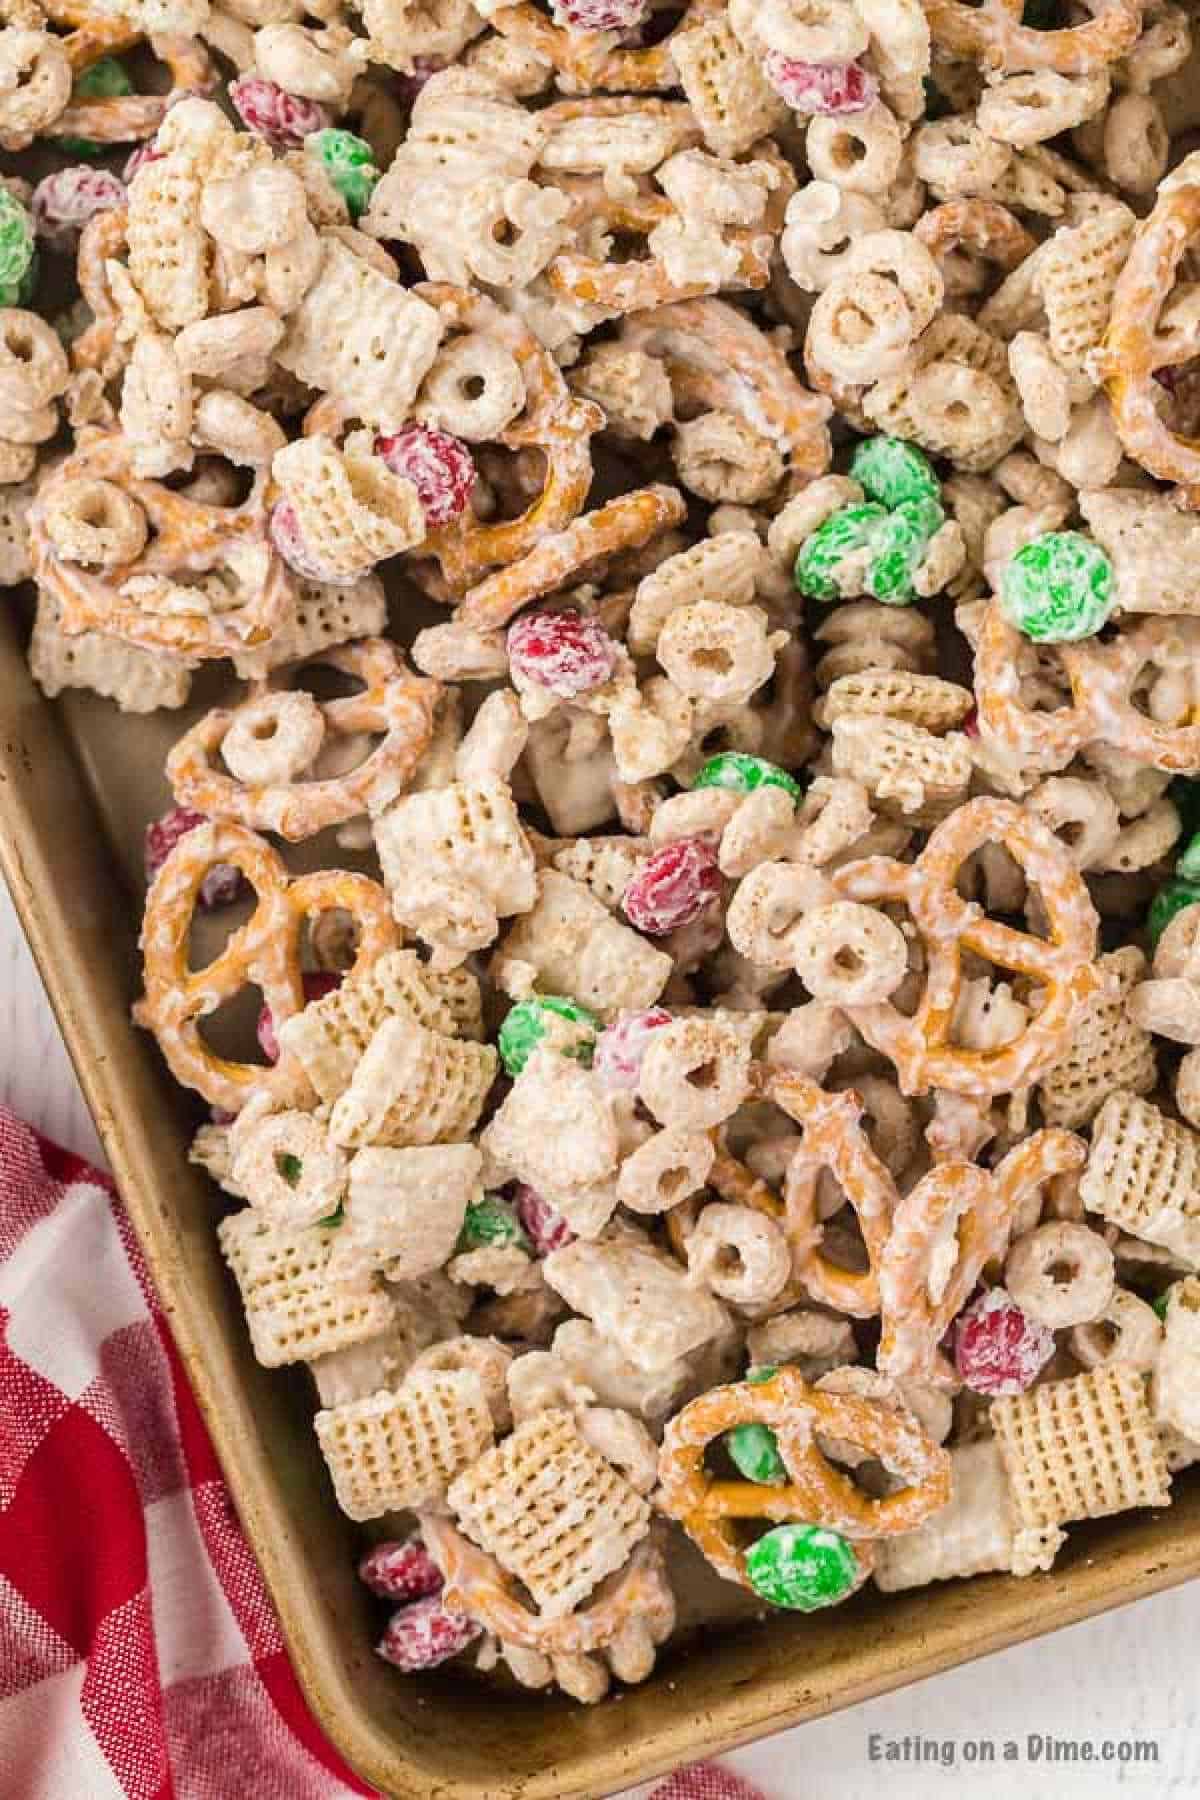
(783, 1698)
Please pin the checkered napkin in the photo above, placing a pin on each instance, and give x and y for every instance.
(140, 1658)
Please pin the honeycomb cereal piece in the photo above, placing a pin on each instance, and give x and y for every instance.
(605, 866)
(402, 1449)
(1081, 1449)
(907, 771)
(455, 861)
(1152, 545)
(169, 251)
(1077, 277)
(140, 681)
(362, 339)
(973, 1534)
(331, 1034)
(576, 947)
(1108, 1052)
(294, 1311)
(325, 614)
(413, 1086)
(732, 99)
(925, 701)
(551, 1510)
(378, 1362)
(349, 505)
(1143, 1175)
(404, 1210)
(639, 1300)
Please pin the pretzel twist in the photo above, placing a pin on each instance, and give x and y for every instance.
(993, 34)
(124, 118)
(264, 951)
(553, 421)
(1133, 350)
(1062, 963)
(816, 1493)
(393, 702)
(189, 537)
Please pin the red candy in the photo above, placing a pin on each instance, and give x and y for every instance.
(566, 652)
(270, 112)
(622, 1045)
(424, 1634)
(673, 887)
(138, 158)
(284, 529)
(998, 1349)
(64, 202)
(317, 984)
(401, 1571)
(423, 67)
(439, 466)
(971, 723)
(598, 15)
(545, 1227)
(221, 886)
(821, 87)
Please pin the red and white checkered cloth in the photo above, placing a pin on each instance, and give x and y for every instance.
(140, 1658)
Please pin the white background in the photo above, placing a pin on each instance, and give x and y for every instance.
(1132, 1673)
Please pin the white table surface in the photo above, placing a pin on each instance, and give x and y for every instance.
(1131, 1674)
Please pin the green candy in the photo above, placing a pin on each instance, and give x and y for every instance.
(848, 530)
(105, 80)
(755, 1453)
(1159, 1306)
(1189, 863)
(490, 1222)
(334, 1218)
(892, 471)
(16, 246)
(802, 1567)
(349, 163)
(535, 1021)
(900, 543)
(736, 770)
(764, 1372)
(1171, 898)
(290, 1167)
(1184, 793)
(1059, 588)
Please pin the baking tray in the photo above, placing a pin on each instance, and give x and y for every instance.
(77, 784)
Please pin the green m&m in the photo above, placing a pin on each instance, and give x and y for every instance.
(1171, 898)
(891, 471)
(1059, 588)
(16, 250)
(754, 1452)
(489, 1224)
(349, 163)
(549, 1019)
(1159, 1306)
(1189, 863)
(849, 530)
(742, 773)
(898, 547)
(802, 1567)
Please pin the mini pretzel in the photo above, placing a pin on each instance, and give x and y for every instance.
(973, 1209)
(587, 58)
(1103, 679)
(102, 240)
(833, 1139)
(993, 34)
(393, 702)
(189, 537)
(983, 227)
(626, 287)
(125, 118)
(475, 1584)
(717, 358)
(1062, 963)
(554, 421)
(623, 524)
(1133, 350)
(264, 951)
(816, 1492)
